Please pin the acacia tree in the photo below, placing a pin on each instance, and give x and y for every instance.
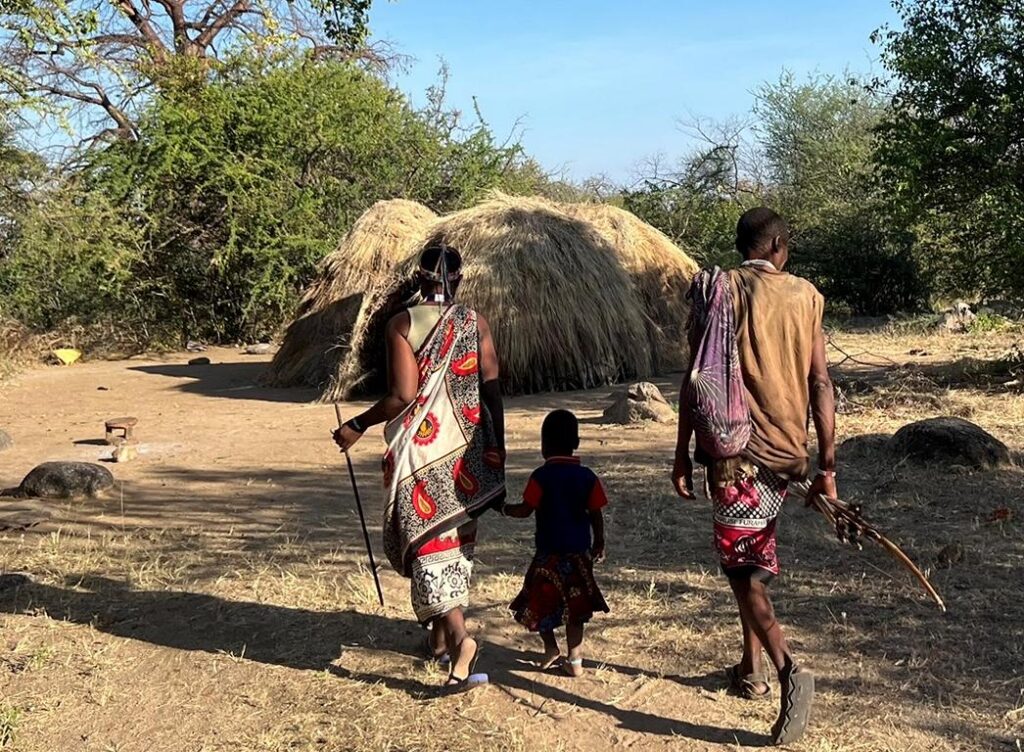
(91, 63)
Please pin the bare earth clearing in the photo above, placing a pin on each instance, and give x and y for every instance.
(220, 601)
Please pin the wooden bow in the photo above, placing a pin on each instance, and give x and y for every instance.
(851, 527)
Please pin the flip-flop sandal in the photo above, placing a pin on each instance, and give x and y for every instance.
(797, 689)
(471, 680)
(746, 686)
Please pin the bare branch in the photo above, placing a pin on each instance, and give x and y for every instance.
(142, 23)
(224, 20)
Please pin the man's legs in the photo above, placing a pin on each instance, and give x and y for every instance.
(796, 685)
(438, 640)
(760, 628)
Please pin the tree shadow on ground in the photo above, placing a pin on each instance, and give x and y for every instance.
(300, 639)
(234, 380)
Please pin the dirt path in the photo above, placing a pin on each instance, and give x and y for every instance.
(219, 600)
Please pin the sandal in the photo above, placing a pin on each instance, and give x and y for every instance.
(747, 686)
(548, 663)
(471, 679)
(797, 689)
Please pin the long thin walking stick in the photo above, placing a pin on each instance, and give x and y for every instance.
(362, 519)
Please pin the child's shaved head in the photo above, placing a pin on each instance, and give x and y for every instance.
(560, 434)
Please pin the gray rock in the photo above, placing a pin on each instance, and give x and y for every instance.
(204, 361)
(66, 480)
(959, 319)
(6, 442)
(261, 349)
(950, 441)
(639, 403)
(869, 446)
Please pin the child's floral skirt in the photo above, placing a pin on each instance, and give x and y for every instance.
(558, 589)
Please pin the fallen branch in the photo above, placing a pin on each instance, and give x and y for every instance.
(851, 527)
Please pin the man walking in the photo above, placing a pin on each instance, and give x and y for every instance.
(781, 351)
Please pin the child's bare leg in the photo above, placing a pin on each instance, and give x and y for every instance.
(551, 650)
(574, 639)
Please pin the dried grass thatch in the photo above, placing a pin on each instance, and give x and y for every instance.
(314, 343)
(660, 271)
(562, 308)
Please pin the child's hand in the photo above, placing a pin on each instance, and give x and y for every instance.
(597, 552)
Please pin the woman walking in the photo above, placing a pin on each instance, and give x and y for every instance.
(446, 451)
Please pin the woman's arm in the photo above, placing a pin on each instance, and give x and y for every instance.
(490, 385)
(403, 377)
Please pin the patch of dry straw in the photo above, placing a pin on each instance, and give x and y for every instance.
(660, 271)
(384, 236)
(564, 312)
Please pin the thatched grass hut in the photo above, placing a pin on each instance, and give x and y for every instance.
(315, 342)
(563, 309)
(660, 271)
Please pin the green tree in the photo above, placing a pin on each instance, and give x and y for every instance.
(951, 149)
(20, 171)
(817, 138)
(697, 201)
(230, 195)
(95, 63)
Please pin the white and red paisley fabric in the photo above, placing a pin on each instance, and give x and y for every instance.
(442, 463)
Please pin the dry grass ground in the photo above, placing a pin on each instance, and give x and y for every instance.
(219, 600)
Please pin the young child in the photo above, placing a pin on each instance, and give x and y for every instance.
(560, 588)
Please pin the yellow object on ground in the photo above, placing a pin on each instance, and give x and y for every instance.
(67, 355)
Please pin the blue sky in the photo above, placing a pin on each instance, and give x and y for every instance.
(601, 85)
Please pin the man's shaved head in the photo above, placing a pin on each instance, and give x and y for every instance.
(757, 231)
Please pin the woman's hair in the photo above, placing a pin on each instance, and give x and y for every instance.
(560, 433)
(437, 258)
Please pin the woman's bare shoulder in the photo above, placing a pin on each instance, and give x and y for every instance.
(400, 323)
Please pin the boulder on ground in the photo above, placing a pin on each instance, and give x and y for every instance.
(639, 403)
(6, 442)
(203, 361)
(959, 318)
(66, 480)
(259, 349)
(951, 441)
(867, 446)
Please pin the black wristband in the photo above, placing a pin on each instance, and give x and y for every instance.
(355, 425)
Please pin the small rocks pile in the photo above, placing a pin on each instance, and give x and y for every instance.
(639, 403)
